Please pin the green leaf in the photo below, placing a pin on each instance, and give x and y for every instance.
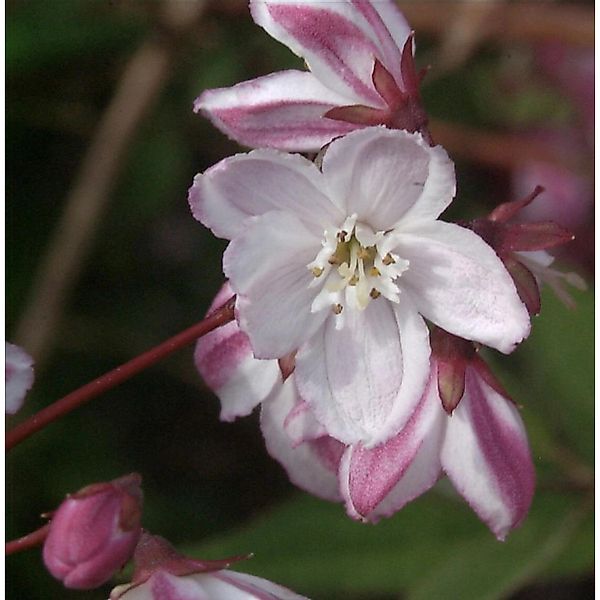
(433, 545)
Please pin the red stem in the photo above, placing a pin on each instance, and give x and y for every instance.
(31, 540)
(116, 376)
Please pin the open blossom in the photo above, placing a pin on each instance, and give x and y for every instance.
(18, 374)
(163, 574)
(360, 56)
(482, 448)
(341, 265)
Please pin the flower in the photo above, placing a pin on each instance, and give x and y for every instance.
(360, 56)
(94, 532)
(18, 373)
(341, 265)
(522, 249)
(163, 574)
(482, 447)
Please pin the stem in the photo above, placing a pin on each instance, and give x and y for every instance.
(31, 540)
(113, 378)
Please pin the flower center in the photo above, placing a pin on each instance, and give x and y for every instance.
(355, 266)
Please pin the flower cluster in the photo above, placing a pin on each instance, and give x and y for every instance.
(359, 312)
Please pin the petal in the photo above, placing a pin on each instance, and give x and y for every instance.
(311, 466)
(224, 359)
(250, 587)
(459, 283)
(330, 39)
(364, 380)
(367, 477)
(301, 425)
(282, 110)
(387, 175)
(486, 456)
(267, 269)
(252, 184)
(18, 372)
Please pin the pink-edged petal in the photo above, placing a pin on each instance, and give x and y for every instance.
(18, 377)
(247, 587)
(282, 110)
(312, 465)
(364, 381)
(246, 185)
(459, 283)
(389, 27)
(388, 175)
(301, 425)
(486, 456)
(225, 360)
(266, 266)
(367, 477)
(330, 39)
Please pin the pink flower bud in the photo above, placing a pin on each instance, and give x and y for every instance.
(94, 532)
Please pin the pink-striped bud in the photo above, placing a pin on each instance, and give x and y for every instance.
(94, 532)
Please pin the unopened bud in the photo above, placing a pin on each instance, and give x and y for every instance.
(94, 532)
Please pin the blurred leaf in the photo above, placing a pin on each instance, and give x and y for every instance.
(432, 546)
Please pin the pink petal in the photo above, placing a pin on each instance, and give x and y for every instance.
(252, 184)
(330, 38)
(224, 359)
(266, 266)
(301, 425)
(18, 374)
(368, 476)
(486, 456)
(282, 110)
(364, 380)
(459, 283)
(387, 175)
(311, 465)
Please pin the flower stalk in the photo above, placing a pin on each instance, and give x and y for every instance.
(118, 375)
(31, 540)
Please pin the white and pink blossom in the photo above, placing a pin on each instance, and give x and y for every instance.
(342, 265)
(18, 377)
(361, 72)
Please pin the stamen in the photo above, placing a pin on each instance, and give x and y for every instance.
(341, 236)
(375, 293)
(374, 272)
(353, 280)
(388, 259)
(337, 309)
(317, 271)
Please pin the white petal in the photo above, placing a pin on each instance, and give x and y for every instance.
(329, 37)
(486, 456)
(387, 175)
(311, 465)
(266, 266)
(252, 184)
(250, 588)
(225, 360)
(364, 380)
(378, 482)
(18, 371)
(282, 110)
(459, 283)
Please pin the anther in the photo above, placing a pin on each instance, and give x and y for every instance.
(341, 235)
(388, 259)
(353, 280)
(334, 260)
(375, 293)
(337, 309)
(317, 271)
(374, 272)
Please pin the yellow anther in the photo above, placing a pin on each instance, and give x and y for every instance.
(334, 260)
(353, 280)
(317, 271)
(375, 293)
(374, 272)
(337, 309)
(388, 259)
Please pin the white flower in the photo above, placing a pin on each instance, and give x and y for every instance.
(341, 265)
(18, 373)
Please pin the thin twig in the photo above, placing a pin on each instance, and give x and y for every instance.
(142, 81)
(31, 540)
(113, 378)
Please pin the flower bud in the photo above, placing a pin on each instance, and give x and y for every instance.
(18, 373)
(94, 532)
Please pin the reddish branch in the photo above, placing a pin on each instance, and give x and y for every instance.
(31, 540)
(119, 375)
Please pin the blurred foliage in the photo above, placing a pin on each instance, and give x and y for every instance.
(211, 486)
